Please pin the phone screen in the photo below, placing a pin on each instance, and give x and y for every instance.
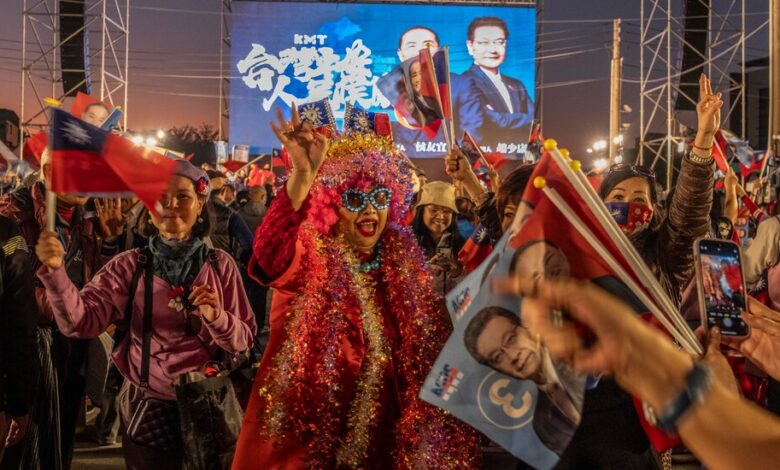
(722, 286)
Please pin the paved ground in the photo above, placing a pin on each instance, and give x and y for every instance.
(88, 456)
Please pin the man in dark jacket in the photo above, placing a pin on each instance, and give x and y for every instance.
(489, 105)
(18, 359)
(231, 234)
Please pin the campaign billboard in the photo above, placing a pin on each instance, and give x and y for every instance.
(294, 52)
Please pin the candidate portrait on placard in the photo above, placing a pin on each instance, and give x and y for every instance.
(497, 338)
(495, 108)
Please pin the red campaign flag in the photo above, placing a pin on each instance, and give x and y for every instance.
(88, 160)
(436, 80)
(233, 165)
(540, 225)
(496, 159)
(34, 147)
(281, 159)
(82, 102)
(382, 125)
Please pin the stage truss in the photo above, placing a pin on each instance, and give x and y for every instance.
(106, 25)
(661, 48)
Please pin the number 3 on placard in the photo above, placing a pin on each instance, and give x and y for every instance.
(505, 400)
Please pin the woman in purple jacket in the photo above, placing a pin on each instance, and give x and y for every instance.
(198, 306)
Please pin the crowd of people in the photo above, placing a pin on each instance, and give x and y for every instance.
(331, 284)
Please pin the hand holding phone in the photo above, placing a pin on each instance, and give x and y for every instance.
(721, 286)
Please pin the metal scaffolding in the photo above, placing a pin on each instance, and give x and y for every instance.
(662, 127)
(106, 24)
(224, 69)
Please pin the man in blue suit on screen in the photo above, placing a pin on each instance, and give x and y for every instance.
(492, 107)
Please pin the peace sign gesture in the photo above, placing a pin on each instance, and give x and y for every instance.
(708, 112)
(307, 150)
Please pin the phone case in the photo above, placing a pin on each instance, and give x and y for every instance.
(700, 281)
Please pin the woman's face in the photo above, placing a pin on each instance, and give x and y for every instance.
(181, 207)
(363, 229)
(437, 219)
(416, 76)
(520, 209)
(635, 189)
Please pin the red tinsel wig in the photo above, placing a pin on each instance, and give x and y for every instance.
(359, 162)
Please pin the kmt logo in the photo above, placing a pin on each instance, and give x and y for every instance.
(461, 303)
(447, 382)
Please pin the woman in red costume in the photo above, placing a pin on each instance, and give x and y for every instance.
(355, 325)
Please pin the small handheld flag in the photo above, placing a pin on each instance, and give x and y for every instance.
(89, 160)
(319, 114)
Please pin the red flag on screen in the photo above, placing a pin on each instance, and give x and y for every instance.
(88, 160)
(233, 165)
(281, 159)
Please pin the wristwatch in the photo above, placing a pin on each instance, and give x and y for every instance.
(698, 383)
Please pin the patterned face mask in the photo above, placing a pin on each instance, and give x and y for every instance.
(631, 217)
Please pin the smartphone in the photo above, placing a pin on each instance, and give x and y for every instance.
(444, 247)
(721, 285)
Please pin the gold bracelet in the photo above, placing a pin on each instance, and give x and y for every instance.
(700, 159)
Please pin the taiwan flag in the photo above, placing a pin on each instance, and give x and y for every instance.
(88, 160)
(281, 159)
(435, 86)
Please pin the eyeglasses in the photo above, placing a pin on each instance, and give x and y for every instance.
(497, 43)
(355, 200)
(635, 169)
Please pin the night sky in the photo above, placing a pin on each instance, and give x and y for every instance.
(174, 51)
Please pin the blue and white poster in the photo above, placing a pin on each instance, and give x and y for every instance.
(285, 52)
(495, 375)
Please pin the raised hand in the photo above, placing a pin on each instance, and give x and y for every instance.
(50, 251)
(708, 112)
(109, 212)
(495, 180)
(459, 169)
(206, 299)
(307, 150)
(731, 181)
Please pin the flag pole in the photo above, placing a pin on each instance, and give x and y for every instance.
(256, 159)
(51, 208)
(449, 88)
(580, 226)
(599, 210)
(433, 79)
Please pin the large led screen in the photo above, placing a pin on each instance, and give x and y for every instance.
(303, 52)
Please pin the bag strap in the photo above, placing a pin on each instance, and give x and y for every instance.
(123, 329)
(139, 270)
(146, 329)
(213, 261)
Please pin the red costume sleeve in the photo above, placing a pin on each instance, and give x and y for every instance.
(274, 247)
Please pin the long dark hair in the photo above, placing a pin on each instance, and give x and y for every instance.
(642, 239)
(425, 240)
